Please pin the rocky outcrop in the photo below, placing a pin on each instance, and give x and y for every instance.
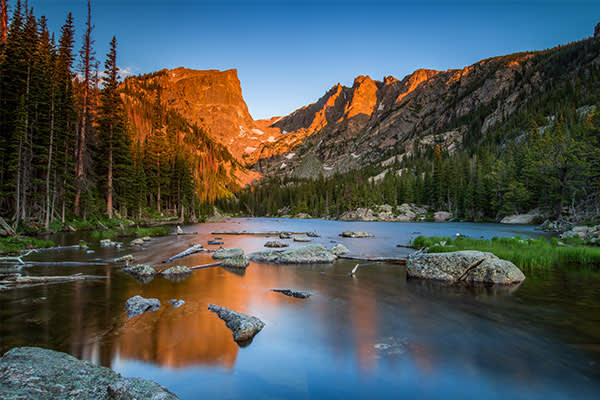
(589, 234)
(521, 219)
(137, 305)
(339, 249)
(293, 293)
(311, 254)
(352, 234)
(442, 216)
(39, 374)
(386, 213)
(468, 266)
(244, 327)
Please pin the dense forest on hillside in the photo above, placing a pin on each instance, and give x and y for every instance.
(68, 150)
(546, 156)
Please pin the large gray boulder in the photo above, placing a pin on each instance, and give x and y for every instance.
(339, 249)
(240, 262)
(177, 273)
(140, 271)
(137, 305)
(451, 267)
(227, 253)
(520, 219)
(36, 373)
(244, 327)
(311, 254)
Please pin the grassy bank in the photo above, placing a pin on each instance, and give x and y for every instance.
(524, 253)
(17, 243)
(131, 231)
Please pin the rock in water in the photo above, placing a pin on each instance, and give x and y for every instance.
(227, 253)
(442, 216)
(293, 293)
(137, 305)
(36, 373)
(275, 243)
(176, 303)
(137, 242)
(301, 239)
(352, 234)
(235, 262)
(339, 249)
(146, 238)
(178, 272)
(140, 271)
(126, 258)
(311, 254)
(215, 242)
(244, 327)
(450, 267)
(285, 235)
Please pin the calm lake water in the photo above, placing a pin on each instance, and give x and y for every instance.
(377, 335)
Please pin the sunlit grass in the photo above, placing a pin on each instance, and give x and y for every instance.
(113, 234)
(522, 252)
(17, 243)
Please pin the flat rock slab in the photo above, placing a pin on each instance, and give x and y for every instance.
(137, 305)
(352, 234)
(450, 267)
(293, 293)
(244, 327)
(227, 253)
(311, 254)
(276, 243)
(36, 373)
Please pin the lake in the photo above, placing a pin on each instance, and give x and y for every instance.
(375, 335)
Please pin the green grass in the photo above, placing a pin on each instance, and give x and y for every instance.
(113, 234)
(524, 253)
(17, 243)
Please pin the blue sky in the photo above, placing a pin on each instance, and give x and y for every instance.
(288, 53)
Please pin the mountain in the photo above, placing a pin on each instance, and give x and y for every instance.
(376, 121)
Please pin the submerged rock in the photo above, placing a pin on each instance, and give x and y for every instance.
(293, 293)
(451, 267)
(301, 239)
(240, 261)
(227, 253)
(137, 242)
(352, 234)
(275, 243)
(339, 249)
(177, 273)
(137, 305)
(176, 303)
(36, 373)
(244, 327)
(311, 254)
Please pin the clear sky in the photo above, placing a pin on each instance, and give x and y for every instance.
(288, 53)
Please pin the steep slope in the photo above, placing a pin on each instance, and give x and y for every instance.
(377, 120)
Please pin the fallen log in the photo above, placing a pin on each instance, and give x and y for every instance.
(9, 230)
(218, 264)
(390, 260)
(72, 247)
(18, 279)
(197, 248)
(64, 264)
(272, 233)
(18, 259)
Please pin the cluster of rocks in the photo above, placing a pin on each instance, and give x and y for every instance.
(589, 234)
(468, 266)
(385, 212)
(110, 243)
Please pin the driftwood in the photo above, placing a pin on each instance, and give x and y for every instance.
(390, 260)
(353, 272)
(64, 264)
(9, 230)
(18, 281)
(218, 264)
(197, 248)
(18, 259)
(184, 233)
(469, 268)
(72, 247)
(272, 233)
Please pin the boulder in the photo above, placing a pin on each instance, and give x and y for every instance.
(442, 216)
(339, 249)
(141, 271)
(178, 272)
(35, 373)
(137, 305)
(146, 238)
(313, 234)
(352, 234)
(126, 258)
(275, 243)
(107, 243)
(522, 219)
(302, 239)
(293, 293)
(240, 261)
(227, 253)
(285, 235)
(137, 242)
(311, 254)
(244, 327)
(451, 267)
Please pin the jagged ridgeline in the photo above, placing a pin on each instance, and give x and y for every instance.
(167, 137)
(508, 134)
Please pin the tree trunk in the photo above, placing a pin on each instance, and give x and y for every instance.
(49, 167)
(109, 199)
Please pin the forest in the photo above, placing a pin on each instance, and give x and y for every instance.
(67, 149)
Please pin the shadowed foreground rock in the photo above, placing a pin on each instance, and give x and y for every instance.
(36, 373)
(311, 254)
(452, 267)
(244, 327)
(137, 305)
(293, 293)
